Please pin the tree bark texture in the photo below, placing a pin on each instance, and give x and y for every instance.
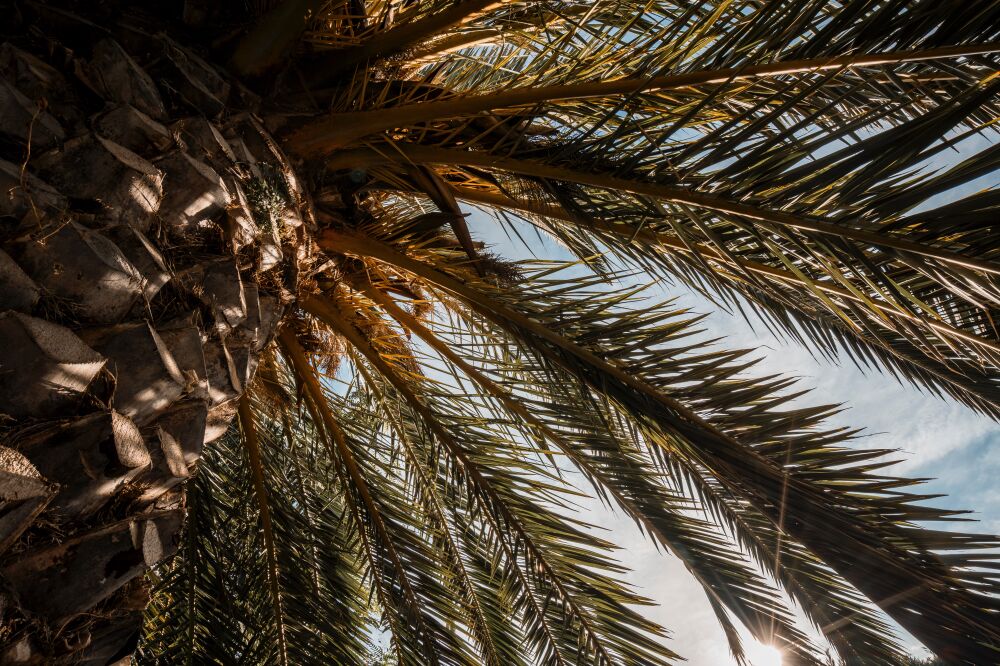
(149, 233)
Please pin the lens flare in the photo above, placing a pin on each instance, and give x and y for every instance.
(764, 655)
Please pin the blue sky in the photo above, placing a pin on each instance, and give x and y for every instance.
(936, 438)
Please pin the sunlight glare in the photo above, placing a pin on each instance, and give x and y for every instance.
(763, 655)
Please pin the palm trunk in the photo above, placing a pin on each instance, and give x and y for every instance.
(140, 278)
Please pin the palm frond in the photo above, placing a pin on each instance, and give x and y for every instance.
(215, 599)
(420, 433)
(698, 427)
(788, 148)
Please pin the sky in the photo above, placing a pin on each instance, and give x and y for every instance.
(935, 438)
(943, 440)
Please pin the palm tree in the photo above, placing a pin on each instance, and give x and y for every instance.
(246, 219)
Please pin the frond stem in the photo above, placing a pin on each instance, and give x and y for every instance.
(674, 242)
(252, 443)
(307, 373)
(327, 68)
(438, 506)
(329, 313)
(906, 576)
(326, 134)
(433, 155)
(627, 504)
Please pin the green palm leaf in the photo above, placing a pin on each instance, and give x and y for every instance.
(414, 421)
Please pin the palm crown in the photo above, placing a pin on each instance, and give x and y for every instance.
(422, 411)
